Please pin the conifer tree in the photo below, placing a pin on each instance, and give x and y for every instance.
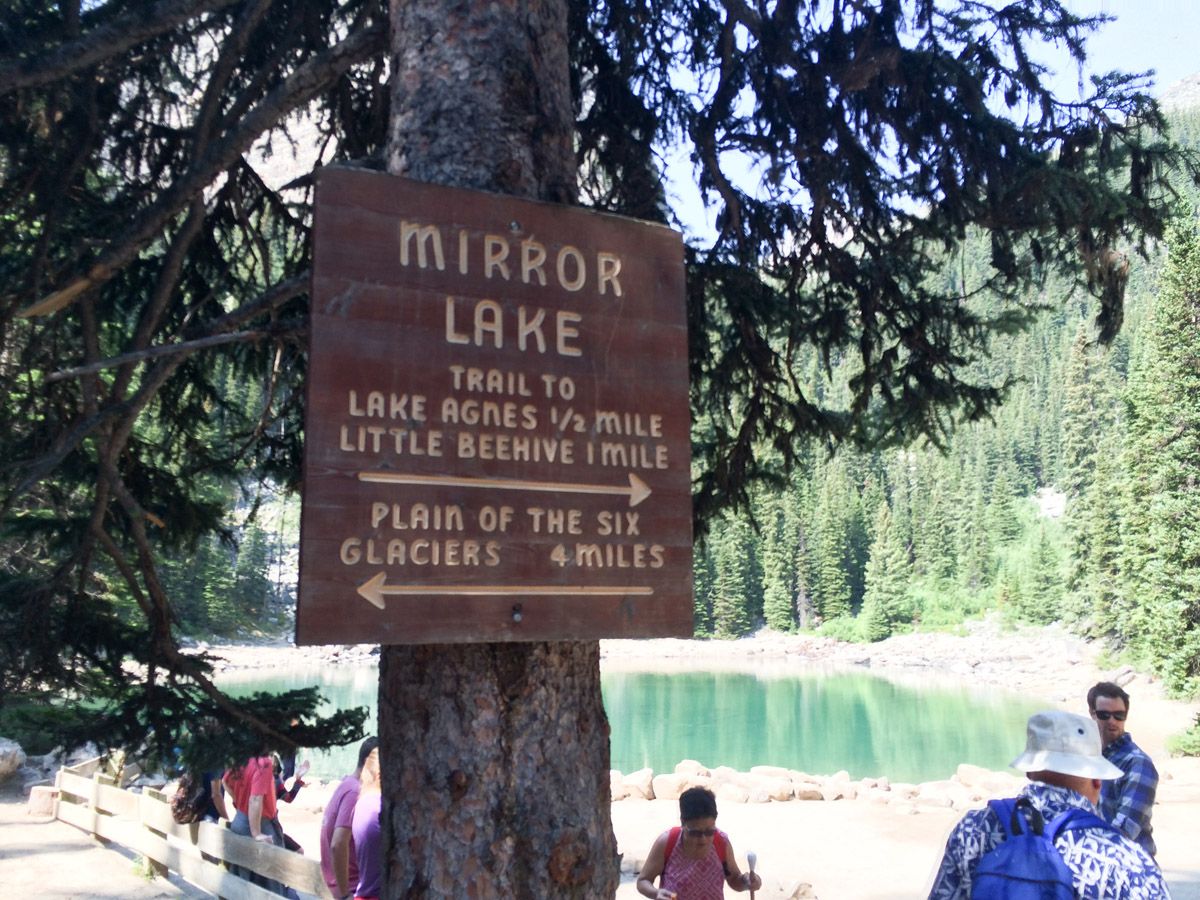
(899, 486)
(831, 580)
(251, 587)
(732, 583)
(779, 541)
(704, 575)
(1042, 587)
(1003, 521)
(885, 604)
(973, 551)
(1096, 597)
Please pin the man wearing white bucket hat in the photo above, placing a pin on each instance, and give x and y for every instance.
(1065, 768)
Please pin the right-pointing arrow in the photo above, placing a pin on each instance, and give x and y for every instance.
(637, 491)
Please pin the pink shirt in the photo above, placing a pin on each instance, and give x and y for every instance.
(339, 813)
(695, 879)
(255, 778)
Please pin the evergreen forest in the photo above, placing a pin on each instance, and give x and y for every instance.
(1077, 502)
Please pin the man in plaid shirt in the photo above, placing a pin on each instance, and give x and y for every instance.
(1126, 801)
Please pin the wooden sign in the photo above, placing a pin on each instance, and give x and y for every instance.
(497, 431)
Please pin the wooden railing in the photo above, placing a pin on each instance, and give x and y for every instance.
(92, 800)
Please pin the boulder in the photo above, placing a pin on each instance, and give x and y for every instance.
(937, 793)
(832, 790)
(726, 775)
(771, 771)
(876, 795)
(691, 767)
(669, 787)
(986, 783)
(779, 789)
(806, 790)
(617, 786)
(730, 792)
(12, 757)
(640, 784)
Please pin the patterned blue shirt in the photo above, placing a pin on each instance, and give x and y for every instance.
(1104, 865)
(1127, 801)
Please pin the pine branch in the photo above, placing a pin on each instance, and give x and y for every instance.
(102, 43)
(299, 88)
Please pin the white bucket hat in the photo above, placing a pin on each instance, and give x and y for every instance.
(1066, 743)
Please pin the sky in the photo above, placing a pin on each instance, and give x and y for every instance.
(1159, 35)
(1147, 34)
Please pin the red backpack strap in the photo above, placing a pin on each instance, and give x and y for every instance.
(719, 846)
(672, 840)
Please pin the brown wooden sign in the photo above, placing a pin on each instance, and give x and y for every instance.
(497, 433)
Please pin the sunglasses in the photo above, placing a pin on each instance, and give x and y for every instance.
(700, 832)
(1104, 715)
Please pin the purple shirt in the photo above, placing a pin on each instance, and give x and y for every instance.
(368, 843)
(339, 814)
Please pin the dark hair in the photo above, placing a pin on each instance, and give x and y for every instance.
(1107, 689)
(365, 748)
(697, 803)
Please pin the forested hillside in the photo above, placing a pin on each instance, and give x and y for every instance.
(1079, 502)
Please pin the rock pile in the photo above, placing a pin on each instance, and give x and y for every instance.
(968, 787)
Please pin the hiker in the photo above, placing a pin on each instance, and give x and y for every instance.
(694, 861)
(989, 850)
(339, 862)
(367, 830)
(1126, 800)
(252, 787)
(214, 799)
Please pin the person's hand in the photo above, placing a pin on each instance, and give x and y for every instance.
(664, 894)
(263, 838)
(752, 881)
(302, 769)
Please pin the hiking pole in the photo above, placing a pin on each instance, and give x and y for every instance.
(751, 859)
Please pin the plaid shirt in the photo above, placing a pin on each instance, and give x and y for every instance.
(1126, 801)
(1104, 865)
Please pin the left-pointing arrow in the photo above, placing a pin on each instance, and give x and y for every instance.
(377, 587)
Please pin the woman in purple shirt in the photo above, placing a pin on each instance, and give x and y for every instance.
(366, 831)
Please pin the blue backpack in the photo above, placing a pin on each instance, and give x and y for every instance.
(1027, 865)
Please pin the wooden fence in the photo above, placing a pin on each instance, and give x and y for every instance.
(92, 800)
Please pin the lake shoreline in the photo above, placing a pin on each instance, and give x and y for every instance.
(820, 843)
(1046, 664)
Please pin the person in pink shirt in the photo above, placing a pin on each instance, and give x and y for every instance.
(695, 860)
(339, 861)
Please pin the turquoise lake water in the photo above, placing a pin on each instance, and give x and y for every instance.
(816, 722)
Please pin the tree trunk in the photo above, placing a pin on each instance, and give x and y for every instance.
(495, 756)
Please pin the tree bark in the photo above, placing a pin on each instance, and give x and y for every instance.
(495, 756)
